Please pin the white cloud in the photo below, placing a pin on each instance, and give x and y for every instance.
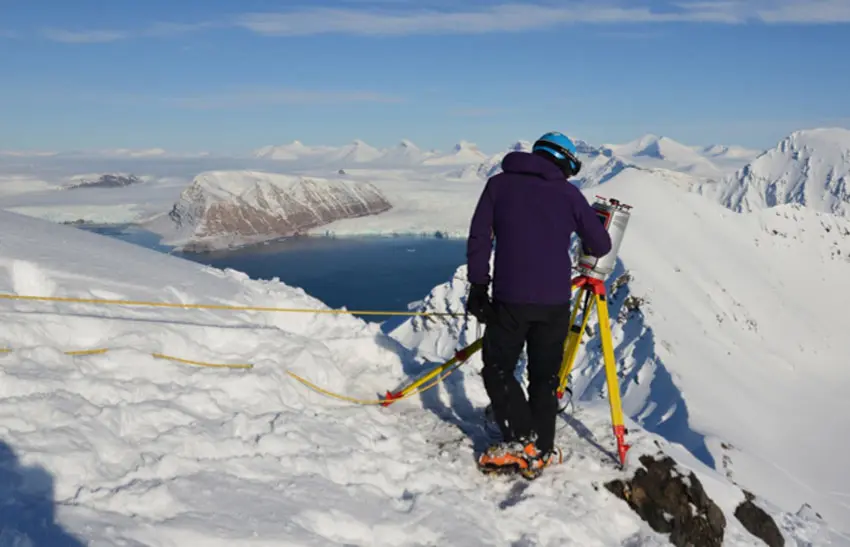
(84, 37)
(524, 17)
(807, 11)
(278, 96)
(156, 30)
(401, 17)
(476, 112)
(502, 18)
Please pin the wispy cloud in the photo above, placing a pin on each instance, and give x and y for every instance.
(10, 34)
(265, 97)
(156, 30)
(85, 36)
(401, 17)
(473, 112)
(525, 17)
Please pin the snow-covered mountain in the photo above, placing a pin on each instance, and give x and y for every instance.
(809, 167)
(123, 447)
(293, 151)
(727, 152)
(491, 166)
(717, 350)
(360, 153)
(223, 209)
(662, 152)
(464, 152)
(405, 153)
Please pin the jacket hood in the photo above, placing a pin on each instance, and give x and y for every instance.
(532, 164)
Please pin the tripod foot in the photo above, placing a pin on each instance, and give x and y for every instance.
(390, 397)
(622, 447)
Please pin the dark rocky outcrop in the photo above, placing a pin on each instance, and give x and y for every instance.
(108, 181)
(758, 522)
(672, 503)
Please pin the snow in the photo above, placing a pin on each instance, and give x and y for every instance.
(12, 185)
(809, 167)
(731, 349)
(732, 320)
(728, 349)
(654, 151)
(408, 172)
(151, 452)
(464, 152)
(223, 209)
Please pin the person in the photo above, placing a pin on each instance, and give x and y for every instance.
(531, 211)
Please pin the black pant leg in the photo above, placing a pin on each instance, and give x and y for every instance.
(546, 340)
(502, 346)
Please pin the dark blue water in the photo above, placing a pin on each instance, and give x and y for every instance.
(364, 273)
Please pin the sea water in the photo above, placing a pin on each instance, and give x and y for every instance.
(359, 273)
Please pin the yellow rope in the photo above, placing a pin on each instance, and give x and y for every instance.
(202, 363)
(155, 355)
(304, 381)
(346, 398)
(88, 352)
(219, 306)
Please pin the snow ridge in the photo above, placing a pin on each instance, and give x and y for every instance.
(809, 167)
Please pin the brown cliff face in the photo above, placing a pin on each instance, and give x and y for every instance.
(222, 209)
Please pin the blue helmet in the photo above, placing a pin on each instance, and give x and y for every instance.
(561, 150)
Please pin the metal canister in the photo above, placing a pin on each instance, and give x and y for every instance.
(615, 217)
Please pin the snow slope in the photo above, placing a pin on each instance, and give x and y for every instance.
(809, 167)
(729, 354)
(121, 448)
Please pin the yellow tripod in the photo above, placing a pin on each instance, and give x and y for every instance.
(591, 294)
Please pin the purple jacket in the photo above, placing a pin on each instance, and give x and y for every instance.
(532, 211)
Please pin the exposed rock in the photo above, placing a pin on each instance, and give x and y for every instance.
(672, 503)
(108, 181)
(231, 208)
(758, 522)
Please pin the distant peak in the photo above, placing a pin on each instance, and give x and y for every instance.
(405, 143)
(465, 145)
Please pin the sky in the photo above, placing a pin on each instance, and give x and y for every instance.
(232, 76)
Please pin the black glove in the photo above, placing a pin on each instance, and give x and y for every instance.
(478, 303)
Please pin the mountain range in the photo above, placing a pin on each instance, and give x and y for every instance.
(429, 191)
(114, 434)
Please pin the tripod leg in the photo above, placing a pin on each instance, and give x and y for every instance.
(458, 359)
(611, 377)
(574, 337)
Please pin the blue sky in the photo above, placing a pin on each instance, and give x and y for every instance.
(231, 76)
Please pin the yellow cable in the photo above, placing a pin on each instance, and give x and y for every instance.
(155, 355)
(346, 398)
(202, 363)
(219, 306)
(88, 352)
(304, 381)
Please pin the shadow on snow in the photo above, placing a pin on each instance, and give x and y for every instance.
(660, 408)
(27, 512)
